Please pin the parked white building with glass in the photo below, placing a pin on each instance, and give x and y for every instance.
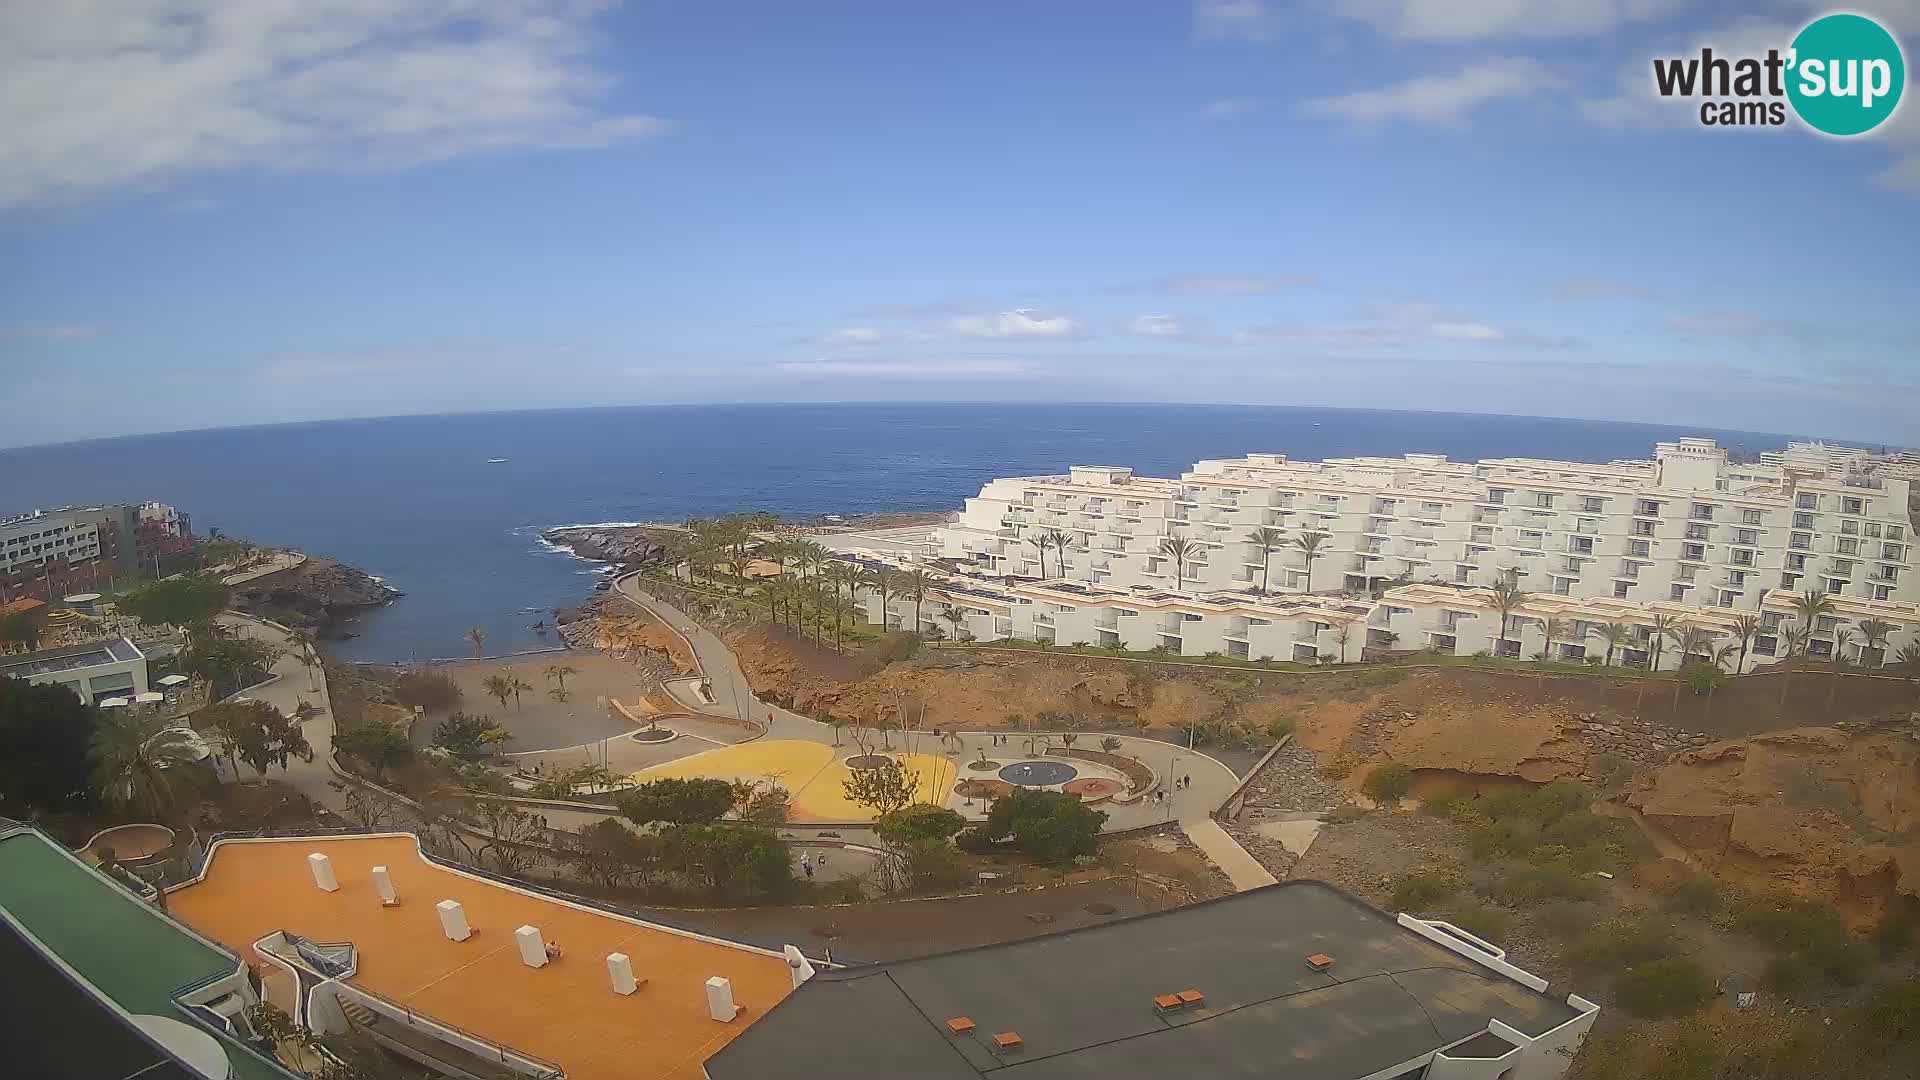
(1412, 545)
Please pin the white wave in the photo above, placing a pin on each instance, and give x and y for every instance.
(609, 525)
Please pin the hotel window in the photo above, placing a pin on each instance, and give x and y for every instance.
(1647, 508)
(1678, 592)
(1742, 558)
(1853, 506)
(1683, 573)
(1788, 581)
(1749, 517)
(1696, 532)
(1643, 528)
(1745, 536)
(1894, 532)
(1850, 528)
(1892, 551)
(1826, 624)
(1592, 504)
(1887, 573)
(1702, 512)
(1848, 546)
(1639, 547)
(1803, 521)
(1771, 620)
(1497, 496)
(1873, 529)
(1843, 567)
(1737, 579)
(1693, 551)
(1460, 574)
(1620, 590)
(1807, 502)
(1836, 586)
(1582, 545)
(1571, 565)
(1543, 498)
(1562, 586)
(1726, 598)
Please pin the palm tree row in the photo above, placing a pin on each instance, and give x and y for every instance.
(1057, 539)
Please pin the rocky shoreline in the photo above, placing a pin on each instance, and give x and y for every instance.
(633, 545)
(318, 595)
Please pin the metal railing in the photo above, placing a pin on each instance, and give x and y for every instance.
(387, 1007)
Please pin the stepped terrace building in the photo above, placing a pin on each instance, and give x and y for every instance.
(1411, 546)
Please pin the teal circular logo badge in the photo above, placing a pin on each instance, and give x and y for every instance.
(1845, 74)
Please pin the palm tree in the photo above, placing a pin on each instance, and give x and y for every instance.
(1268, 540)
(1508, 596)
(479, 639)
(1659, 629)
(958, 619)
(1614, 634)
(141, 765)
(1909, 660)
(844, 612)
(1808, 609)
(1692, 641)
(1873, 638)
(1745, 628)
(1842, 637)
(303, 651)
(1551, 628)
(1061, 541)
(1040, 542)
(884, 580)
(499, 687)
(1179, 549)
(914, 586)
(559, 672)
(1309, 545)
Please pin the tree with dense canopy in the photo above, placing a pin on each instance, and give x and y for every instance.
(675, 801)
(181, 601)
(256, 733)
(469, 734)
(142, 765)
(45, 731)
(1051, 826)
(883, 789)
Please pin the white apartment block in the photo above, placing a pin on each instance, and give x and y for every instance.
(1412, 544)
(31, 540)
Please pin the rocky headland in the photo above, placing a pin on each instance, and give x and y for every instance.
(318, 595)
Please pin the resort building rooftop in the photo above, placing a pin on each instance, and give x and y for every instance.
(64, 918)
(564, 1012)
(1296, 981)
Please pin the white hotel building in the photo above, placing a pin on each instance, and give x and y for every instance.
(1413, 543)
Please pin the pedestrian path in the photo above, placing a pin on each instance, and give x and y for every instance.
(1226, 853)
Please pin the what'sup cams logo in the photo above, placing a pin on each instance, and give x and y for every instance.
(1842, 75)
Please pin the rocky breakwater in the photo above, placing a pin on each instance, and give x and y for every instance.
(318, 595)
(627, 545)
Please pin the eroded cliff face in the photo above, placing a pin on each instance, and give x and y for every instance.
(627, 545)
(1828, 813)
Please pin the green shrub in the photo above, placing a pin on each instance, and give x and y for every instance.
(1621, 944)
(1480, 920)
(1791, 924)
(1388, 784)
(1442, 803)
(1280, 727)
(1511, 838)
(1666, 987)
(1422, 890)
(1697, 895)
(974, 840)
(1530, 885)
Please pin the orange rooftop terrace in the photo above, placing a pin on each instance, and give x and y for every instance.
(565, 1012)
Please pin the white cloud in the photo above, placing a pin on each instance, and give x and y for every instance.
(1466, 331)
(903, 369)
(1441, 99)
(854, 335)
(1018, 323)
(99, 94)
(1467, 20)
(49, 331)
(1160, 326)
(1241, 20)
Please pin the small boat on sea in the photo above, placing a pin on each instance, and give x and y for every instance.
(496, 461)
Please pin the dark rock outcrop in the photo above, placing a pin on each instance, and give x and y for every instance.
(316, 595)
(626, 546)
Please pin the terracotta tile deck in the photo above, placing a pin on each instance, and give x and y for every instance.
(565, 1012)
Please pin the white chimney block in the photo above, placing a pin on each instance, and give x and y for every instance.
(620, 971)
(533, 951)
(383, 884)
(322, 868)
(799, 965)
(720, 1004)
(453, 919)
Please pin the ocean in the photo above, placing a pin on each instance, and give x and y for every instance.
(416, 501)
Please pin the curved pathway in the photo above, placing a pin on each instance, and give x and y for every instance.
(1211, 781)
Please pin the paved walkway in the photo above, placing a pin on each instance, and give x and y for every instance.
(294, 686)
(1210, 781)
(1225, 853)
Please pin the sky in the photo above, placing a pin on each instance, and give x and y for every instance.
(215, 214)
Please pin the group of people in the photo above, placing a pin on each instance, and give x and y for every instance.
(1160, 796)
(808, 860)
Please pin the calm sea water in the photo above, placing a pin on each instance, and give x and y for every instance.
(414, 500)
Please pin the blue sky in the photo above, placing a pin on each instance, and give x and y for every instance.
(226, 213)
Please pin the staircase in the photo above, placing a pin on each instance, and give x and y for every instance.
(359, 1014)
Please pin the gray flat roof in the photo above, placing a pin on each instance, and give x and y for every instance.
(1082, 1001)
(69, 657)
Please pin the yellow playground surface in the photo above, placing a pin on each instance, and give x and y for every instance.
(812, 771)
